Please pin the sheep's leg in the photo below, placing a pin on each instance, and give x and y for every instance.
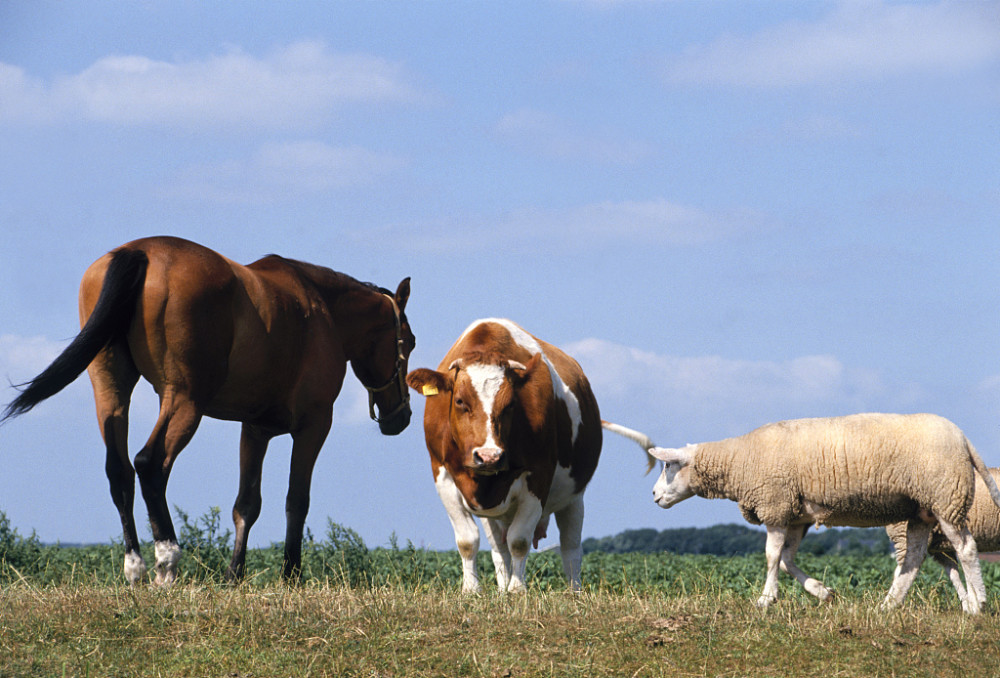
(965, 550)
(956, 579)
(772, 549)
(814, 586)
(917, 537)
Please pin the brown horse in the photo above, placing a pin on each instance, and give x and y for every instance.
(265, 344)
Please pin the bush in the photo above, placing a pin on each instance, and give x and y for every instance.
(17, 552)
(206, 548)
(344, 556)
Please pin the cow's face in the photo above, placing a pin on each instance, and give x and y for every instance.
(484, 398)
(674, 483)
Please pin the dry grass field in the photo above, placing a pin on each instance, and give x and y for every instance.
(209, 630)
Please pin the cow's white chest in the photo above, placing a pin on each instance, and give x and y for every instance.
(562, 493)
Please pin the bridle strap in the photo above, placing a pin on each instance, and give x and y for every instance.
(398, 376)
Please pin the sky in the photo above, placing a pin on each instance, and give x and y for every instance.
(729, 213)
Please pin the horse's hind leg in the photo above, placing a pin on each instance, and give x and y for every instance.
(253, 446)
(113, 376)
(177, 423)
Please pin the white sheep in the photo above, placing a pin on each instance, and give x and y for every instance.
(864, 470)
(984, 523)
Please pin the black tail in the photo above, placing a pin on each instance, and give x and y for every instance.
(110, 320)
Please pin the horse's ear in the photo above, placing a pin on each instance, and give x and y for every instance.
(429, 382)
(403, 293)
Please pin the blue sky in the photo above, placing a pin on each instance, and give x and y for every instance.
(729, 213)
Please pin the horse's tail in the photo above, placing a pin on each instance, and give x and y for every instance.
(109, 321)
(641, 438)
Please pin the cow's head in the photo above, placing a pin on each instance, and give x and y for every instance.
(674, 483)
(485, 397)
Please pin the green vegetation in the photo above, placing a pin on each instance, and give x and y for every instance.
(397, 611)
(730, 540)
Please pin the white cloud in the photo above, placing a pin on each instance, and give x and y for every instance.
(282, 170)
(548, 135)
(858, 41)
(650, 222)
(299, 84)
(22, 358)
(724, 394)
(818, 377)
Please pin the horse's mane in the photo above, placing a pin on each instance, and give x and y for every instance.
(323, 276)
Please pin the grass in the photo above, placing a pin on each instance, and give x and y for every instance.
(397, 611)
(204, 629)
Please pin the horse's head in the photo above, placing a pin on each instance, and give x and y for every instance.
(386, 366)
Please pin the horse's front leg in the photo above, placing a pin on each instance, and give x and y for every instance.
(253, 446)
(306, 444)
(177, 423)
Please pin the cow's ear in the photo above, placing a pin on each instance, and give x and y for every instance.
(428, 382)
(524, 373)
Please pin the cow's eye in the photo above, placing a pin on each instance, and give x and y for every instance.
(460, 404)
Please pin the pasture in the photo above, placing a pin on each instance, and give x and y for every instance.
(396, 611)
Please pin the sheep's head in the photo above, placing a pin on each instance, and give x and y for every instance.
(674, 483)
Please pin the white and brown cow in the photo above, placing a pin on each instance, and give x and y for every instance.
(514, 435)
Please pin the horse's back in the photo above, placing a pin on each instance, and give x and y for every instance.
(234, 338)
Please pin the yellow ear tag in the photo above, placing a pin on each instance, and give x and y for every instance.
(429, 390)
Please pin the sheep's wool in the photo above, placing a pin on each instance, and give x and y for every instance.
(860, 470)
(983, 521)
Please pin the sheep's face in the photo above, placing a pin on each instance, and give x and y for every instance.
(674, 483)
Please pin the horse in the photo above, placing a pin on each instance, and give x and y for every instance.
(265, 344)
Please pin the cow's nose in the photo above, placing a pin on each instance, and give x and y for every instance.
(487, 456)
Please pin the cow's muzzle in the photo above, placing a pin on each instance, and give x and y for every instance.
(488, 461)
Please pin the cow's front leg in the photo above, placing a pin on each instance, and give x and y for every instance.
(464, 525)
(519, 536)
(501, 554)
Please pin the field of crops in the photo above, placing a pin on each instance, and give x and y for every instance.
(396, 611)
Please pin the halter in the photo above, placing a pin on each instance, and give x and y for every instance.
(398, 377)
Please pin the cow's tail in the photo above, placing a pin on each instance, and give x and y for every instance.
(641, 438)
(980, 466)
(110, 320)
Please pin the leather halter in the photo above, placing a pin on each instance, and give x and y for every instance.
(398, 377)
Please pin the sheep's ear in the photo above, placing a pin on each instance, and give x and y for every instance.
(681, 455)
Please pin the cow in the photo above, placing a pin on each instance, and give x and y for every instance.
(514, 435)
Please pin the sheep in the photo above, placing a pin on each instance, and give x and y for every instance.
(984, 524)
(863, 470)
